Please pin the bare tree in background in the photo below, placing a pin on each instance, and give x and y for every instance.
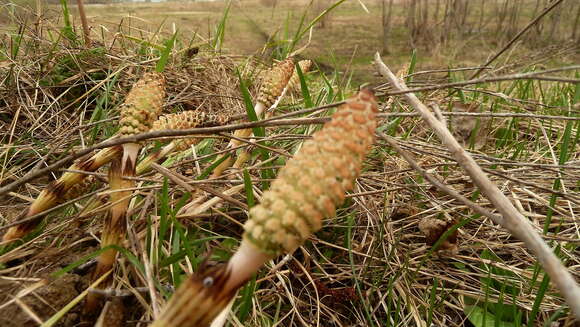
(411, 23)
(481, 16)
(387, 17)
(446, 22)
(464, 28)
(555, 19)
(434, 23)
(319, 7)
(501, 9)
(575, 36)
(269, 3)
(513, 18)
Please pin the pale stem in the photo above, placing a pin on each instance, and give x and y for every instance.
(244, 264)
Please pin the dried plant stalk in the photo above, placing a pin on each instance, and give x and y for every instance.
(307, 189)
(56, 190)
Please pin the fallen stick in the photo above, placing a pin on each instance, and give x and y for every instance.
(435, 181)
(513, 221)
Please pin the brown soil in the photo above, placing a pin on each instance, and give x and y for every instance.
(44, 302)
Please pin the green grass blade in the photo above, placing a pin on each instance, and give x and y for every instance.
(350, 221)
(218, 40)
(412, 66)
(302, 31)
(169, 44)
(304, 88)
(258, 131)
(205, 173)
(246, 299)
(67, 30)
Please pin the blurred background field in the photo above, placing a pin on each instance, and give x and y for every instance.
(444, 32)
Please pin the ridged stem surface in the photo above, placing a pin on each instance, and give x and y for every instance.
(113, 229)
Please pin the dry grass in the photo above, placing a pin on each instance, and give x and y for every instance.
(367, 266)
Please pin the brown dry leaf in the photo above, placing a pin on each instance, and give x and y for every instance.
(464, 127)
(433, 229)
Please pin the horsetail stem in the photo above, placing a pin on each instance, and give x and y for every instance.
(307, 189)
(113, 230)
(56, 190)
(140, 109)
(227, 163)
(80, 188)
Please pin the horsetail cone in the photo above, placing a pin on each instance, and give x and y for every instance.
(307, 189)
(182, 120)
(141, 108)
(275, 82)
(143, 104)
(314, 182)
(189, 119)
(56, 191)
(294, 82)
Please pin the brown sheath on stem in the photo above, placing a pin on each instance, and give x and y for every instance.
(198, 300)
(113, 230)
(56, 190)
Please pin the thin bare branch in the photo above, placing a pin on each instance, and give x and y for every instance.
(433, 180)
(512, 77)
(517, 36)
